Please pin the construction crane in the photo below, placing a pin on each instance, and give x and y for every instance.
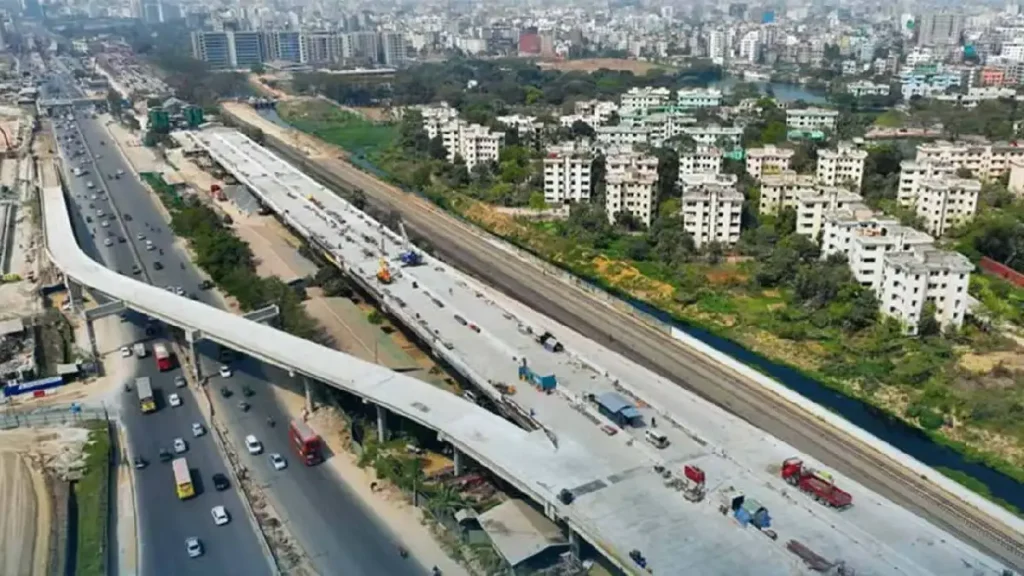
(409, 256)
(384, 272)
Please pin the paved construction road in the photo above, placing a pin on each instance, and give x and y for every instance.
(164, 521)
(468, 249)
(337, 532)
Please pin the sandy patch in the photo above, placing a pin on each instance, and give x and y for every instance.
(590, 65)
(985, 363)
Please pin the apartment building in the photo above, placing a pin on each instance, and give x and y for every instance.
(688, 181)
(768, 160)
(912, 173)
(625, 158)
(567, 174)
(644, 99)
(700, 160)
(622, 135)
(525, 126)
(435, 116)
(811, 119)
(985, 161)
(813, 205)
(472, 142)
(631, 191)
(394, 48)
(843, 166)
(593, 113)
(710, 135)
(864, 237)
(921, 275)
(946, 202)
(699, 98)
(779, 191)
(863, 88)
(660, 126)
(712, 213)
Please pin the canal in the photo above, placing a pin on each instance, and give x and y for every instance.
(785, 93)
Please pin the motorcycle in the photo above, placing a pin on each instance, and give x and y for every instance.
(270, 422)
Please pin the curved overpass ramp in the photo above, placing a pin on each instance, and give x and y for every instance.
(528, 461)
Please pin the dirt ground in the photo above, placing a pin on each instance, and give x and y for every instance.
(26, 454)
(591, 65)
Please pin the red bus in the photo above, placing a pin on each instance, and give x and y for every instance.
(306, 442)
(163, 358)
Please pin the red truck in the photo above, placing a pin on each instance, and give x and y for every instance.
(163, 357)
(820, 485)
(306, 442)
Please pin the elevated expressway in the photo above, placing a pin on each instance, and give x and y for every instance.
(619, 501)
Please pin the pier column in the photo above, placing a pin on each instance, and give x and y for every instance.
(459, 464)
(192, 337)
(574, 543)
(309, 396)
(382, 424)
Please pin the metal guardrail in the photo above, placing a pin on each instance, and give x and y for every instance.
(12, 418)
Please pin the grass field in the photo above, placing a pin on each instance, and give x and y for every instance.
(340, 127)
(91, 494)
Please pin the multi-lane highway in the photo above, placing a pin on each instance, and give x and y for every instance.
(339, 535)
(473, 252)
(164, 521)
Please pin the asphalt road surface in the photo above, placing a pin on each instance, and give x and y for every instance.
(337, 532)
(164, 521)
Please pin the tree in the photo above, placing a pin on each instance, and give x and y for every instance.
(257, 68)
(537, 201)
(929, 324)
(114, 102)
(581, 129)
(436, 149)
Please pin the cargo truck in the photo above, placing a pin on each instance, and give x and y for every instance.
(820, 485)
(163, 357)
(306, 442)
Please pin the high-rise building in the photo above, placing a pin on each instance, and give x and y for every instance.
(939, 28)
(394, 48)
(214, 48)
(567, 174)
(364, 46)
(31, 8)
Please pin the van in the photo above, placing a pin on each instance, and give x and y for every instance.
(657, 439)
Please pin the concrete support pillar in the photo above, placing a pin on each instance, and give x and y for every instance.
(192, 337)
(91, 333)
(459, 464)
(382, 424)
(574, 543)
(309, 396)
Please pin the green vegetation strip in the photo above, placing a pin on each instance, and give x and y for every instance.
(91, 494)
(229, 261)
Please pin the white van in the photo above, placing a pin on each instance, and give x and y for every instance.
(657, 439)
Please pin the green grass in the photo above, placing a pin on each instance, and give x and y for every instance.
(91, 493)
(332, 124)
(977, 487)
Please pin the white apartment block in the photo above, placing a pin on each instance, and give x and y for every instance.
(472, 142)
(643, 99)
(768, 160)
(599, 110)
(946, 202)
(710, 134)
(567, 174)
(436, 116)
(779, 191)
(623, 135)
(865, 238)
(523, 125)
(985, 161)
(811, 119)
(712, 213)
(867, 88)
(843, 166)
(925, 274)
(699, 98)
(700, 160)
(660, 125)
(688, 181)
(1016, 183)
(625, 159)
(631, 191)
(912, 173)
(813, 205)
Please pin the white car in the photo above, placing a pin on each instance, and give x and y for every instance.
(108, 242)
(253, 445)
(125, 352)
(278, 461)
(179, 290)
(220, 515)
(105, 224)
(174, 400)
(179, 382)
(179, 446)
(194, 547)
(140, 236)
(150, 246)
(198, 429)
(225, 372)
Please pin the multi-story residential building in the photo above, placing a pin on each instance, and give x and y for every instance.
(976, 95)
(700, 160)
(927, 81)
(712, 213)
(643, 99)
(435, 116)
(843, 166)
(768, 160)
(699, 98)
(811, 119)
(523, 125)
(711, 134)
(862, 88)
(865, 238)
(567, 174)
(939, 28)
(394, 49)
(622, 135)
(471, 142)
(925, 274)
(912, 173)
(661, 125)
(946, 202)
(688, 181)
(985, 161)
(284, 45)
(631, 191)
(625, 158)
(779, 191)
(812, 205)
(322, 47)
